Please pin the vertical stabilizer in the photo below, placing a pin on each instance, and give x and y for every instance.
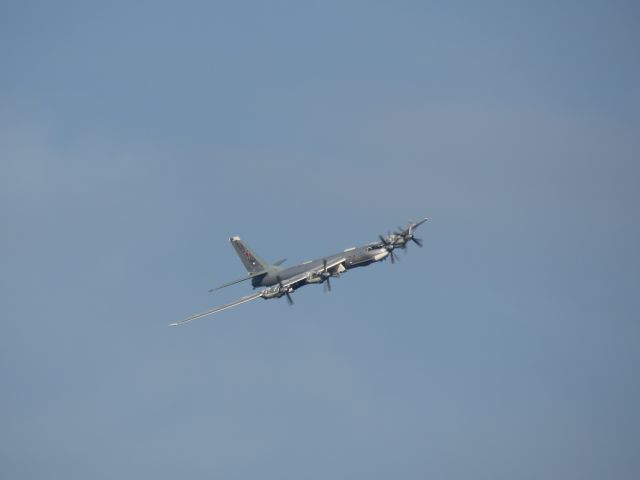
(252, 262)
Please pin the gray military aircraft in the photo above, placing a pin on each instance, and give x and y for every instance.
(282, 281)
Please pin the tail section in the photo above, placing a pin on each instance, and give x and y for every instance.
(252, 262)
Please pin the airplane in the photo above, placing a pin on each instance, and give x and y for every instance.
(281, 281)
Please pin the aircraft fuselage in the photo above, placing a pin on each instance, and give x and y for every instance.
(354, 257)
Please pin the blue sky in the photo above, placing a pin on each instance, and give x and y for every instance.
(136, 137)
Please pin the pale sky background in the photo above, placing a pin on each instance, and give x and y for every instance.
(136, 137)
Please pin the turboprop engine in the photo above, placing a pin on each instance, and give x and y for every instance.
(278, 291)
(324, 275)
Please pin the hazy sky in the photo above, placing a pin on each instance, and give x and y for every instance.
(136, 137)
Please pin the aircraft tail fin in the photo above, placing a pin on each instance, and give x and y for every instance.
(252, 262)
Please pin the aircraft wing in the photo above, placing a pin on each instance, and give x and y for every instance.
(330, 265)
(420, 222)
(301, 277)
(240, 301)
(242, 279)
(290, 282)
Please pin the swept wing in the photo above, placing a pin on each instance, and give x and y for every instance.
(240, 301)
(316, 270)
(284, 285)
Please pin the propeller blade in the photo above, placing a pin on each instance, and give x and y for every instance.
(393, 256)
(383, 240)
(327, 285)
(417, 241)
(289, 299)
(324, 265)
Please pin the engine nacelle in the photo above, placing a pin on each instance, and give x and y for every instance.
(276, 292)
(311, 278)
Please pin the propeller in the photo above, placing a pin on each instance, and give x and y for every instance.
(406, 234)
(389, 245)
(326, 275)
(285, 290)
